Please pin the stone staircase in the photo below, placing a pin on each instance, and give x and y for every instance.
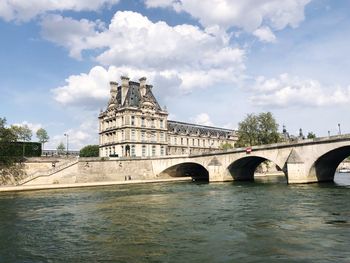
(48, 172)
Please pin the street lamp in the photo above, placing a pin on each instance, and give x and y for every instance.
(67, 136)
(339, 128)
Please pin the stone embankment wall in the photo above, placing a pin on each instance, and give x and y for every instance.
(91, 170)
(344, 165)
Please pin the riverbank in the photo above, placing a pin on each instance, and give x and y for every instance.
(92, 184)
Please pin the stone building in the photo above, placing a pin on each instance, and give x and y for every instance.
(135, 125)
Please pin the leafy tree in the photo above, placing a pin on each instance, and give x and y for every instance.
(61, 148)
(311, 135)
(248, 131)
(43, 137)
(89, 151)
(7, 137)
(225, 146)
(257, 129)
(23, 133)
(6, 134)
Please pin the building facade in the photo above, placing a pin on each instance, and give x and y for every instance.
(134, 124)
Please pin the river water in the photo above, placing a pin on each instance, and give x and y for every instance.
(260, 221)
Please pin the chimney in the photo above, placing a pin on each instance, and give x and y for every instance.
(125, 87)
(113, 91)
(142, 86)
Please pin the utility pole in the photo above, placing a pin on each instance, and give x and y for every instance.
(66, 135)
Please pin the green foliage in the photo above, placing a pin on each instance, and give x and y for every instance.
(23, 133)
(311, 135)
(42, 135)
(61, 148)
(225, 146)
(6, 134)
(6, 138)
(19, 149)
(89, 151)
(257, 130)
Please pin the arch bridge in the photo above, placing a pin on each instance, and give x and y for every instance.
(305, 161)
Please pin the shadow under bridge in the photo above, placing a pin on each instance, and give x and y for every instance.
(325, 166)
(194, 170)
(244, 168)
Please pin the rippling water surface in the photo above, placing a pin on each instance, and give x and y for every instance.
(179, 222)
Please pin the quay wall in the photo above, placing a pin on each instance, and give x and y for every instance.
(90, 171)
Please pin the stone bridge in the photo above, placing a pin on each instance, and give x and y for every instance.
(305, 161)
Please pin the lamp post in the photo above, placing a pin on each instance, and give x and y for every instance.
(67, 136)
(339, 128)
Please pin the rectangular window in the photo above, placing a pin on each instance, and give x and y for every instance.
(133, 153)
(152, 123)
(175, 140)
(161, 136)
(133, 120)
(142, 135)
(182, 141)
(161, 124)
(143, 122)
(133, 135)
(143, 150)
(162, 150)
(153, 150)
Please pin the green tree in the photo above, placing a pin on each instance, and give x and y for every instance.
(257, 129)
(311, 135)
(6, 134)
(7, 137)
(43, 137)
(89, 151)
(268, 129)
(23, 133)
(61, 148)
(248, 131)
(225, 146)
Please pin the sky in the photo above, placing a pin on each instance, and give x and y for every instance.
(210, 62)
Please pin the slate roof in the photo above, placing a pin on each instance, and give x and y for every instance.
(188, 128)
(133, 97)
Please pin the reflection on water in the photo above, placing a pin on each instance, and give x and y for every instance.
(183, 222)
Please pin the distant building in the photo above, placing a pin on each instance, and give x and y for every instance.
(135, 125)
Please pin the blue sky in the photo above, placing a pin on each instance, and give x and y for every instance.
(211, 62)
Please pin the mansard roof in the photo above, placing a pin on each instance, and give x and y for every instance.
(134, 98)
(189, 128)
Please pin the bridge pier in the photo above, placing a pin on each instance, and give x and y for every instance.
(298, 173)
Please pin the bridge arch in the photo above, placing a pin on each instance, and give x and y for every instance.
(244, 168)
(187, 169)
(325, 165)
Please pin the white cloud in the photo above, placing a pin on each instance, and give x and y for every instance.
(69, 33)
(133, 40)
(86, 133)
(265, 34)
(288, 91)
(175, 59)
(26, 10)
(33, 126)
(87, 90)
(247, 14)
(203, 119)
